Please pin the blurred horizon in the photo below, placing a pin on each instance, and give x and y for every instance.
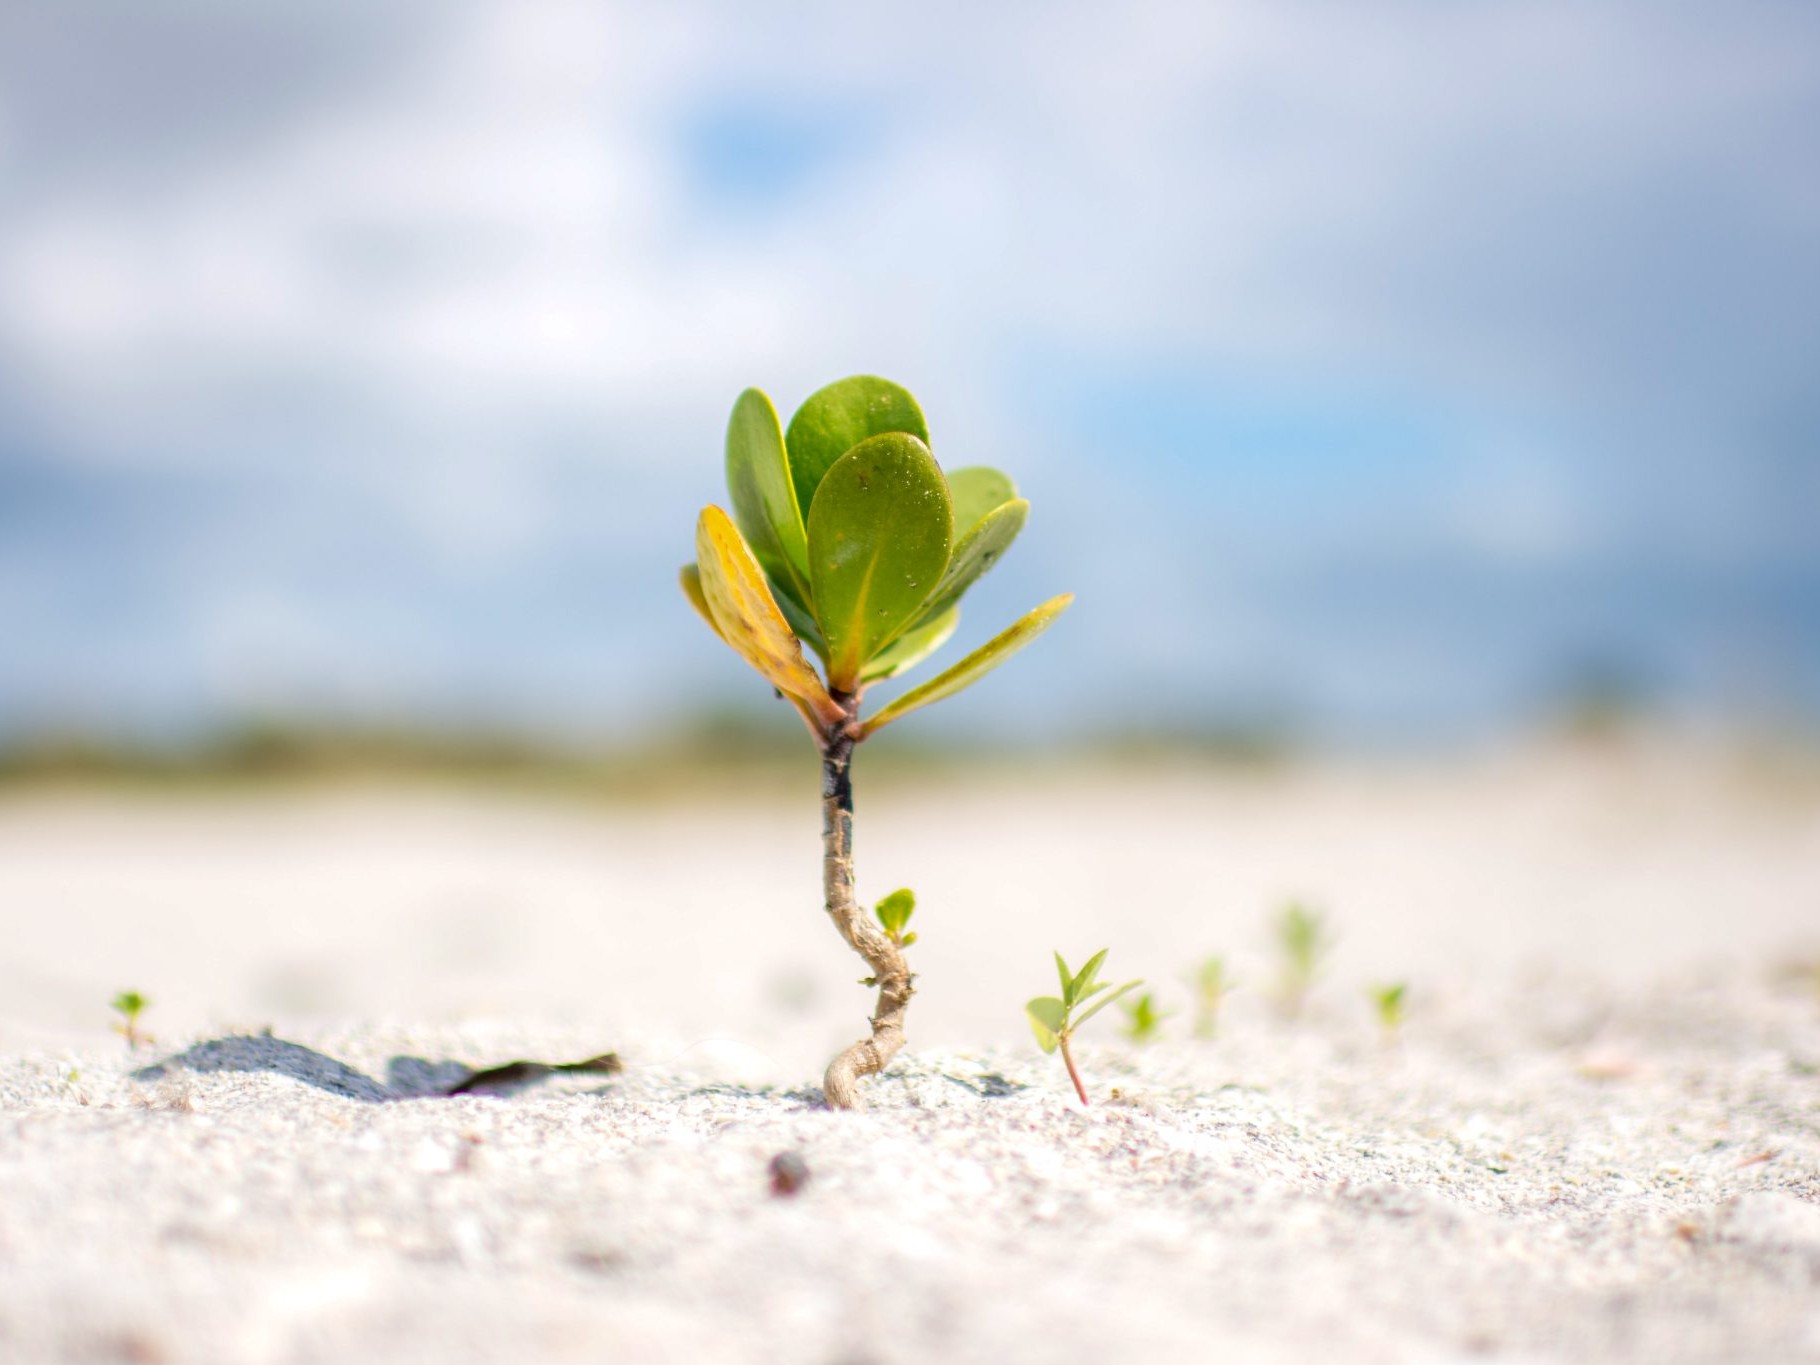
(1399, 374)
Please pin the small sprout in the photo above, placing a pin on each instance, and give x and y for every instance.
(1302, 936)
(129, 1005)
(894, 913)
(789, 1173)
(1143, 1020)
(1054, 1021)
(1388, 1002)
(1211, 984)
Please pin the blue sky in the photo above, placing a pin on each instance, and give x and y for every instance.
(1378, 367)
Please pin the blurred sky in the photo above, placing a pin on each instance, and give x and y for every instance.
(1381, 368)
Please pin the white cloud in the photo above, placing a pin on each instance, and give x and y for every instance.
(443, 283)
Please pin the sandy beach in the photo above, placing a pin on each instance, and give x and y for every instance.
(1595, 1137)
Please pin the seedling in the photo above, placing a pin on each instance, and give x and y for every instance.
(1143, 1020)
(894, 913)
(1212, 984)
(1054, 1021)
(846, 536)
(129, 1005)
(1388, 1002)
(1302, 937)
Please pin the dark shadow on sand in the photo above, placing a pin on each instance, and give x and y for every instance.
(407, 1078)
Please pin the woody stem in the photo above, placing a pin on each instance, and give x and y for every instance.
(884, 957)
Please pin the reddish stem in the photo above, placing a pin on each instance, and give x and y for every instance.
(1073, 1075)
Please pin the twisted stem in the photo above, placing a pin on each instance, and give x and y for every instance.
(840, 1086)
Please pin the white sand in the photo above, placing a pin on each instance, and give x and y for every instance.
(1599, 1138)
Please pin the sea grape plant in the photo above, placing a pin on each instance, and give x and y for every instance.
(847, 537)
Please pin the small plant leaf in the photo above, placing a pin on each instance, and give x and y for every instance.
(880, 530)
(977, 490)
(972, 668)
(1084, 979)
(1104, 1001)
(691, 586)
(1388, 1000)
(1048, 1017)
(834, 419)
(894, 911)
(1061, 970)
(803, 624)
(742, 607)
(1143, 1020)
(912, 647)
(978, 550)
(129, 1003)
(800, 621)
(764, 497)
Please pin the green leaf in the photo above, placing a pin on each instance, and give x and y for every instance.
(1104, 1001)
(742, 608)
(972, 668)
(979, 549)
(1084, 979)
(803, 624)
(879, 534)
(834, 419)
(1061, 970)
(912, 647)
(1048, 1016)
(1143, 1020)
(894, 911)
(764, 498)
(977, 490)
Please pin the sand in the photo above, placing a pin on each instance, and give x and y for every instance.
(1595, 1138)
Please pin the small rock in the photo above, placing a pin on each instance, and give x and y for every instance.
(789, 1173)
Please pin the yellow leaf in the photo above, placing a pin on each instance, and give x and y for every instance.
(975, 666)
(691, 586)
(745, 613)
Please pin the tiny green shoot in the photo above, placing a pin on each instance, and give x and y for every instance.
(1212, 983)
(1143, 1020)
(1388, 1001)
(1053, 1020)
(894, 913)
(1303, 940)
(129, 1005)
